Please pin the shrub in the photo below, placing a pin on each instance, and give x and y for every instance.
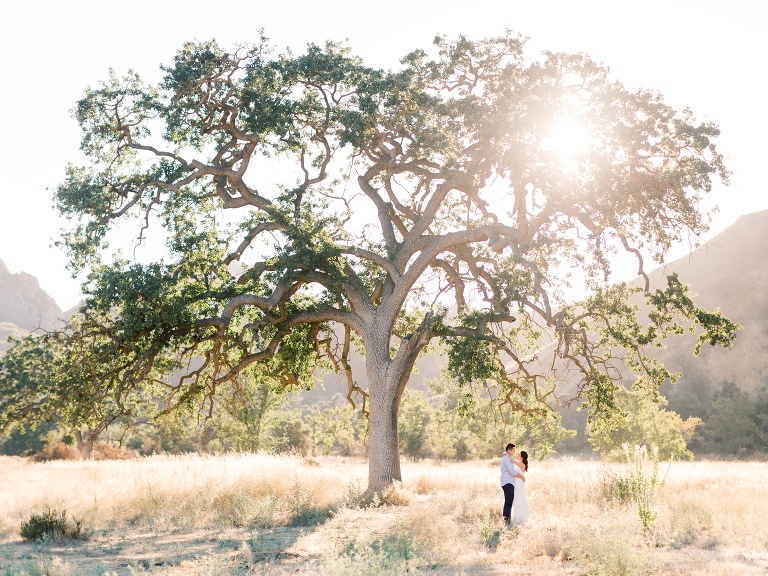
(52, 525)
(109, 451)
(639, 482)
(49, 525)
(303, 511)
(58, 451)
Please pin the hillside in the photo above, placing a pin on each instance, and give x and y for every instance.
(24, 306)
(730, 272)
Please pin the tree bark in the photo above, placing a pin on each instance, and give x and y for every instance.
(84, 444)
(387, 378)
(383, 441)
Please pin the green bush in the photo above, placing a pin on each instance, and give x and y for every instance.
(638, 483)
(52, 525)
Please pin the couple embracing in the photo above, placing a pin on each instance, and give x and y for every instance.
(513, 483)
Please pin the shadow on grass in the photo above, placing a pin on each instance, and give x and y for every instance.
(135, 551)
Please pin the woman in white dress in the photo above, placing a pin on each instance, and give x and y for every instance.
(520, 504)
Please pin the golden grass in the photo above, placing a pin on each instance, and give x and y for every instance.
(260, 514)
(167, 492)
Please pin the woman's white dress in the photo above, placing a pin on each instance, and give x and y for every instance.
(520, 511)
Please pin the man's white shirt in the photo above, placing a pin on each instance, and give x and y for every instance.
(508, 470)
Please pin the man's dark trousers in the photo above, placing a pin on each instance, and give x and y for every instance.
(509, 497)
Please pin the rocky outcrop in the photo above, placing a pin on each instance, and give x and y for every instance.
(24, 303)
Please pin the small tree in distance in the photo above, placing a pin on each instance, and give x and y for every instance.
(311, 203)
(646, 423)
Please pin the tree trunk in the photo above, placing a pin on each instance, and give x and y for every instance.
(386, 381)
(387, 378)
(84, 444)
(383, 443)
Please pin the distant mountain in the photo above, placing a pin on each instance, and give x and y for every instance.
(729, 272)
(24, 306)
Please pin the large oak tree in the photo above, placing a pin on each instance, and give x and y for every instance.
(311, 204)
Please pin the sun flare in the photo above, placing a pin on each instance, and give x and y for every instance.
(568, 137)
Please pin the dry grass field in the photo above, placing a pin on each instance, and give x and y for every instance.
(274, 515)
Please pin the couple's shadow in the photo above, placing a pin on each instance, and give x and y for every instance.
(493, 539)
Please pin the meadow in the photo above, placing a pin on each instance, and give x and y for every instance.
(239, 514)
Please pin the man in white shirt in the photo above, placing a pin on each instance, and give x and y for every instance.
(508, 475)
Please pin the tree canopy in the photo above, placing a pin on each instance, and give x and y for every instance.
(311, 204)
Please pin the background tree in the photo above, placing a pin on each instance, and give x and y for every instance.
(20, 440)
(290, 434)
(736, 424)
(248, 410)
(645, 423)
(470, 423)
(414, 425)
(69, 382)
(337, 427)
(300, 193)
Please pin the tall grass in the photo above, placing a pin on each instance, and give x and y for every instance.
(172, 492)
(709, 515)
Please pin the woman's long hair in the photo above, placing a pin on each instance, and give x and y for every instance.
(524, 459)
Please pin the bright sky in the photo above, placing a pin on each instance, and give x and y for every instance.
(702, 54)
